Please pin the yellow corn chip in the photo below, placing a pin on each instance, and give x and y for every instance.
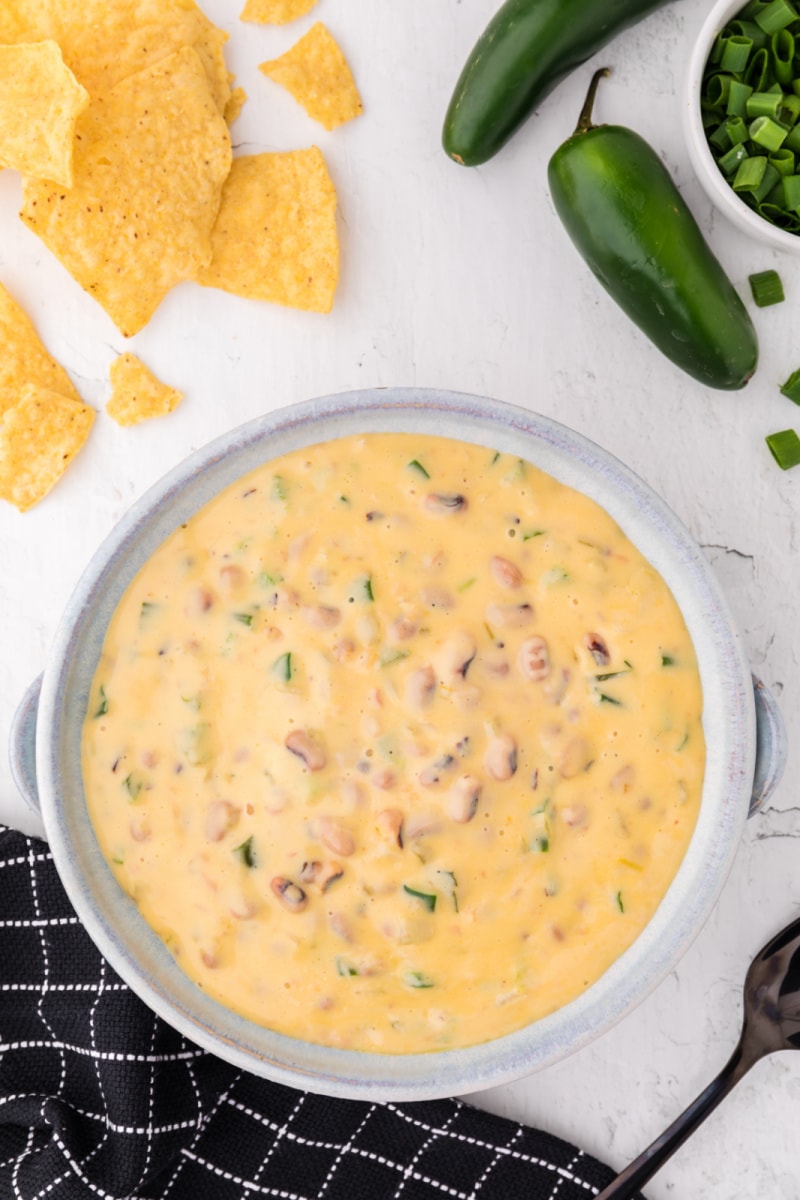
(39, 437)
(235, 105)
(105, 41)
(151, 157)
(314, 70)
(40, 101)
(23, 358)
(136, 393)
(275, 12)
(275, 237)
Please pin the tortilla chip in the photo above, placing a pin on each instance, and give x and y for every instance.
(235, 105)
(23, 358)
(137, 395)
(275, 12)
(151, 157)
(315, 72)
(40, 102)
(105, 41)
(39, 437)
(275, 238)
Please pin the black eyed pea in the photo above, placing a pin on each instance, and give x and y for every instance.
(533, 659)
(444, 504)
(500, 759)
(300, 743)
(505, 573)
(322, 616)
(455, 657)
(291, 896)
(597, 648)
(420, 687)
(509, 616)
(462, 802)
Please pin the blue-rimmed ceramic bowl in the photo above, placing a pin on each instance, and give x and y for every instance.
(744, 735)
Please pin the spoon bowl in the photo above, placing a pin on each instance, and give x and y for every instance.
(771, 1023)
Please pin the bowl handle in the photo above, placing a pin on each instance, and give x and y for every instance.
(22, 746)
(771, 746)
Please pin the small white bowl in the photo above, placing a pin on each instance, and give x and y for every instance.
(713, 181)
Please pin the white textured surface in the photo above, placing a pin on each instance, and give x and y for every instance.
(465, 280)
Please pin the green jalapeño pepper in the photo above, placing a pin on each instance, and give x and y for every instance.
(525, 50)
(630, 223)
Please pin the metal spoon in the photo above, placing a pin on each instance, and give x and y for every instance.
(771, 1022)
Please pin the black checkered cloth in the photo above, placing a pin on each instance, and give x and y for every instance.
(99, 1098)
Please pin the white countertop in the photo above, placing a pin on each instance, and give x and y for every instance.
(464, 279)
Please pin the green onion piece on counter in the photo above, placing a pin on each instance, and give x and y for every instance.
(416, 465)
(282, 667)
(417, 979)
(245, 853)
(791, 388)
(736, 53)
(768, 133)
(784, 448)
(427, 899)
(767, 288)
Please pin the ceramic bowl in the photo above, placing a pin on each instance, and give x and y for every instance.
(745, 755)
(714, 183)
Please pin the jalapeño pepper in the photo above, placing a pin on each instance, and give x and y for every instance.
(525, 50)
(630, 223)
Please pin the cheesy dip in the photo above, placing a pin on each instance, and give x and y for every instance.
(397, 744)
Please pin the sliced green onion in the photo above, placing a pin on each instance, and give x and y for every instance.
(764, 104)
(757, 74)
(392, 655)
(736, 53)
(244, 618)
(730, 162)
(604, 698)
(738, 95)
(750, 175)
(768, 133)
(785, 448)
(102, 703)
(427, 899)
(791, 192)
(620, 904)
(132, 785)
(282, 667)
(280, 489)
(146, 609)
(736, 128)
(782, 46)
(244, 851)
(417, 979)
(791, 388)
(345, 968)
(790, 110)
(667, 660)
(767, 288)
(748, 29)
(783, 161)
(717, 90)
(416, 465)
(775, 16)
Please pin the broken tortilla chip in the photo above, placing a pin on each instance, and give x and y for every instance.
(235, 105)
(105, 41)
(275, 12)
(275, 238)
(39, 437)
(40, 101)
(151, 157)
(136, 393)
(23, 358)
(315, 72)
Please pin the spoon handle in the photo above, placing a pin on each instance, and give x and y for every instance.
(628, 1183)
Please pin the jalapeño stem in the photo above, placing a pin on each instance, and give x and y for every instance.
(585, 119)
